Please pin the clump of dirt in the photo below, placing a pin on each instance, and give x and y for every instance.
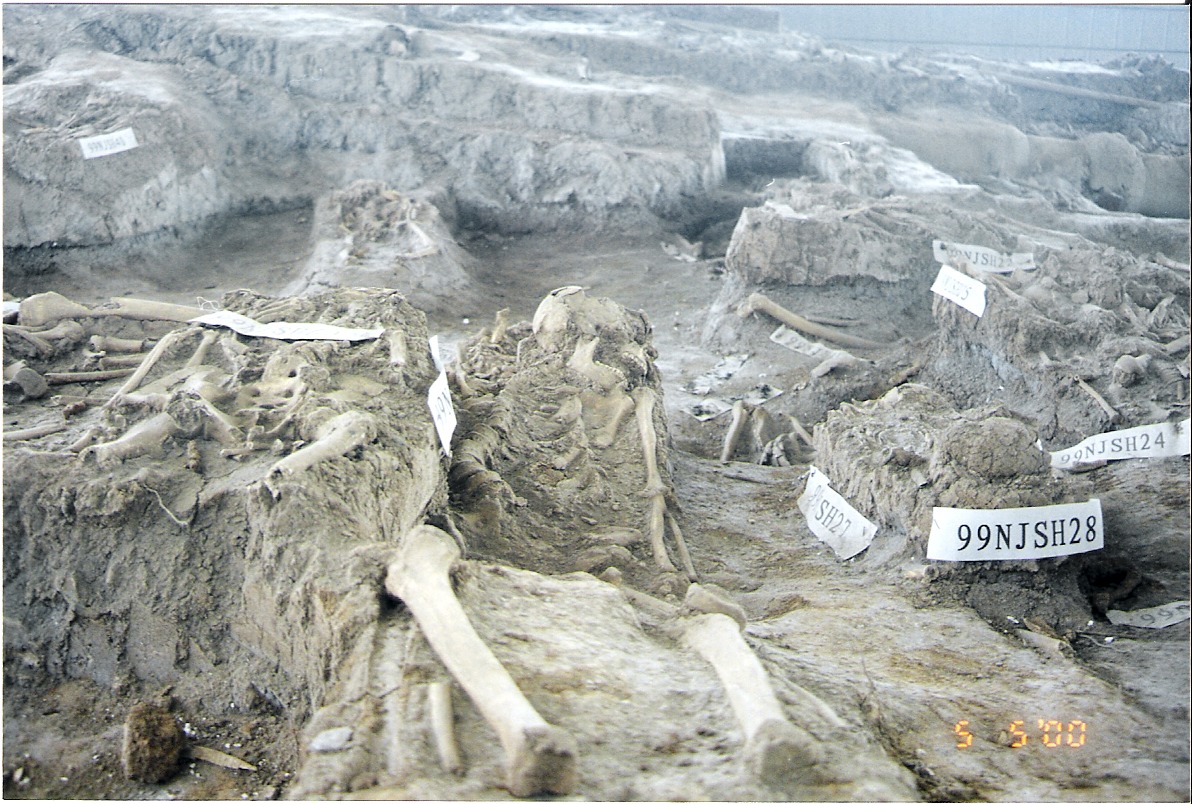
(369, 234)
(1089, 341)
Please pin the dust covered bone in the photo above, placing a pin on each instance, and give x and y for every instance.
(550, 425)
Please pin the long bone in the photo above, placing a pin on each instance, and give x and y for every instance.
(778, 751)
(644, 399)
(144, 438)
(107, 343)
(616, 405)
(334, 437)
(442, 725)
(758, 302)
(539, 757)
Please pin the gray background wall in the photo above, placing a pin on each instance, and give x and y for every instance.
(1021, 33)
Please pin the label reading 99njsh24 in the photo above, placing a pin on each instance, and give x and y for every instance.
(1010, 534)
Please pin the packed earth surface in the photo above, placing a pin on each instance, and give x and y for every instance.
(727, 326)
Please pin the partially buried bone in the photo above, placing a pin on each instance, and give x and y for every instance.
(582, 362)
(442, 725)
(644, 406)
(778, 751)
(757, 302)
(334, 438)
(145, 438)
(106, 343)
(540, 758)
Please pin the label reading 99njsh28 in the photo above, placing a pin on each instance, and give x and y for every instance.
(1009, 534)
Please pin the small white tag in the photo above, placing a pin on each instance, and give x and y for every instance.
(1012, 534)
(981, 258)
(1164, 440)
(435, 355)
(108, 144)
(442, 411)
(285, 330)
(960, 288)
(833, 521)
(1154, 617)
(797, 343)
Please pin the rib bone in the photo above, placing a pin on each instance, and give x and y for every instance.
(778, 750)
(540, 758)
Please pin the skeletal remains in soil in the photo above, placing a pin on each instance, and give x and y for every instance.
(539, 758)
(203, 400)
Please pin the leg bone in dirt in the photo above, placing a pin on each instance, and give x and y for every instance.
(778, 750)
(540, 758)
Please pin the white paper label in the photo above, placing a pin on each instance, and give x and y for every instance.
(1164, 440)
(108, 144)
(981, 258)
(960, 288)
(435, 355)
(1011, 534)
(442, 411)
(285, 330)
(833, 521)
(797, 343)
(1154, 617)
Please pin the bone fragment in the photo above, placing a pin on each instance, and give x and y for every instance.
(540, 758)
(46, 308)
(151, 359)
(1128, 369)
(206, 754)
(32, 384)
(837, 359)
(733, 436)
(757, 302)
(681, 544)
(43, 347)
(801, 431)
(1100, 400)
(778, 751)
(644, 399)
(398, 353)
(106, 343)
(656, 524)
(582, 362)
(145, 438)
(621, 406)
(34, 432)
(64, 377)
(500, 325)
(210, 336)
(1166, 261)
(710, 600)
(68, 330)
(146, 310)
(334, 438)
(1178, 345)
(87, 439)
(442, 725)
(120, 361)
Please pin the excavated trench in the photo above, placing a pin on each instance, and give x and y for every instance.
(215, 579)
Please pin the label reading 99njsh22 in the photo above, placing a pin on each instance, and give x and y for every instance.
(1010, 534)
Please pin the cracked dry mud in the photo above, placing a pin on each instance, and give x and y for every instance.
(607, 591)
